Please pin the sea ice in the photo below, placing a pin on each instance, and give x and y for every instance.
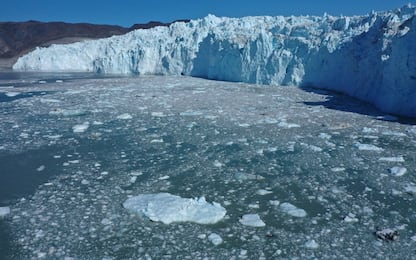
(252, 220)
(292, 210)
(397, 171)
(168, 208)
(12, 94)
(4, 211)
(215, 239)
(125, 116)
(311, 244)
(81, 127)
(368, 147)
(392, 159)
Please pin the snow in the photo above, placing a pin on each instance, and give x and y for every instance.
(252, 220)
(168, 208)
(292, 210)
(326, 52)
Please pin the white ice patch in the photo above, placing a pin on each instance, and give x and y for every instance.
(125, 116)
(392, 159)
(292, 210)
(411, 189)
(81, 128)
(158, 114)
(263, 192)
(397, 171)
(215, 239)
(191, 113)
(4, 211)
(41, 168)
(311, 244)
(368, 147)
(12, 94)
(284, 124)
(67, 112)
(252, 220)
(168, 208)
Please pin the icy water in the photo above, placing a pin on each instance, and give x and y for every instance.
(73, 148)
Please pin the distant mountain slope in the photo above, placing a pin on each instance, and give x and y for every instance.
(17, 38)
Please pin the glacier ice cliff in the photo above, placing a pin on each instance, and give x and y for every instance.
(371, 57)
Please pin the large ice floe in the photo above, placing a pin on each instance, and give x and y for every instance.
(371, 57)
(168, 208)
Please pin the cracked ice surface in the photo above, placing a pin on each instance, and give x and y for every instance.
(227, 142)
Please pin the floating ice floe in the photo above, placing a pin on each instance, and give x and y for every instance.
(125, 116)
(67, 112)
(168, 208)
(215, 239)
(292, 210)
(4, 211)
(397, 171)
(368, 147)
(392, 159)
(252, 220)
(12, 94)
(411, 189)
(311, 244)
(81, 127)
(263, 192)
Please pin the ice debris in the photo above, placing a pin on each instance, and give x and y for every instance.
(4, 211)
(168, 208)
(311, 244)
(215, 239)
(252, 220)
(125, 116)
(81, 127)
(292, 210)
(397, 171)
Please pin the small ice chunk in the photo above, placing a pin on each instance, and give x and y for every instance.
(411, 189)
(125, 116)
(81, 128)
(252, 220)
(191, 113)
(274, 202)
(368, 147)
(292, 210)
(311, 244)
(217, 164)
(350, 218)
(168, 208)
(42, 81)
(158, 114)
(324, 136)
(4, 211)
(215, 239)
(392, 159)
(12, 94)
(59, 81)
(338, 169)
(397, 171)
(263, 192)
(41, 168)
(85, 182)
(106, 222)
(413, 238)
(284, 124)
(67, 112)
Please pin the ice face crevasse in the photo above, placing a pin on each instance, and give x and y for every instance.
(370, 57)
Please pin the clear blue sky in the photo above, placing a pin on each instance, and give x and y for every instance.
(128, 12)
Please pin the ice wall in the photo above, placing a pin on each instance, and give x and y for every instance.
(370, 57)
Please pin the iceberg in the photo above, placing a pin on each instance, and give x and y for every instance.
(168, 208)
(370, 57)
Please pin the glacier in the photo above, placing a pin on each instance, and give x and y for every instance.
(370, 57)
